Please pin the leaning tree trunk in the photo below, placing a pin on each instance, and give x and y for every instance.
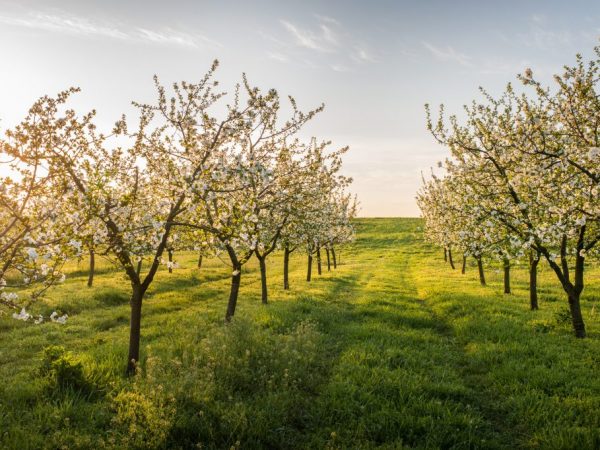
(233, 293)
(334, 258)
(90, 281)
(309, 269)
(135, 328)
(445, 254)
(533, 299)
(464, 265)
(263, 279)
(138, 270)
(286, 268)
(319, 268)
(450, 258)
(200, 261)
(506, 276)
(170, 252)
(328, 260)
(480, 268)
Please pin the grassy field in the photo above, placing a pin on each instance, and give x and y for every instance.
(391, 350)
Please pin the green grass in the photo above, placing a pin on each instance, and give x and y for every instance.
(391, 350)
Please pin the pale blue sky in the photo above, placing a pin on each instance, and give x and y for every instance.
(373, 63)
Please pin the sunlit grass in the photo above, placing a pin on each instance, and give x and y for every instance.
(392, 349)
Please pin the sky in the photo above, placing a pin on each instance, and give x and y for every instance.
(373, 63)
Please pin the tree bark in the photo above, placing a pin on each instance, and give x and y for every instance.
(328, 260)
(263, 279)
(445, 254)
(90, 281)
(464, 265)
(319, 268)
(480, 268)
(533, 300)
(573, 290)
(139, 267)
(506, 276)
(576, 316)
(450, 258)
(286, 268)
(135, 328)
(309, 269)
(170, 252)
(233, 294)
(334, 258)
(200, 261)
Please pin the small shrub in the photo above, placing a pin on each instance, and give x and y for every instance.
(63, 371)
(141, 420)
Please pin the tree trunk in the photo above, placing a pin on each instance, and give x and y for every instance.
(309, 270)
(319, 269)
(328, 260)
(533, 300)
(481, 274)
(334, 258)
(286, 268)
(445, 254)
(92, 268)
(135, 328)
(139, 267)
(450, 258)
(170, 252)
(506, 276)
(263, 279)
(200, 261)
(576, 316)
(464, 265)
(233, 294)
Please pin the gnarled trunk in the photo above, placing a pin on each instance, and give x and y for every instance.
(286, 268)
(480, 268)
(450, 258)
(576, 316)
(319, 268)
(135, 323)
(506, 276)
(334, 258)
(90, 281)
(309, 269)
(533, 299)
(464, 265)
(233, 293)
(263, 278)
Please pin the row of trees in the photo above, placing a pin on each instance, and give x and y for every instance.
(191, 173)
(523, 180)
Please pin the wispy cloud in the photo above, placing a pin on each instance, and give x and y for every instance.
(322, 40)
(278, 57)
(327, 19)
(327, 39)
(448, 54)
(363, 55)
(70, 24)
(339, 68)
(542, 37)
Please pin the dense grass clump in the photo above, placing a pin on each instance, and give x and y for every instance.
(391, 350)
